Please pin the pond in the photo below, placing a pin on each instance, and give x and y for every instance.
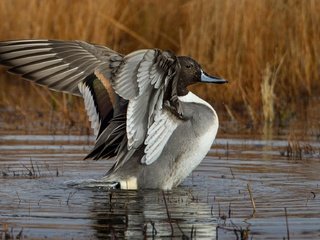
(244, 189)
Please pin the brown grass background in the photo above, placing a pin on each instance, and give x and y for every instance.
(269, 50)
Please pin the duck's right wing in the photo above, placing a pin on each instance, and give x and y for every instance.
(68, 66)
(59, 65)
(79, 68)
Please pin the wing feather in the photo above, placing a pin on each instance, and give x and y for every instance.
(142, 79)
(27, 59)
(40, 59)
(90, 107)
(125, 80)
(158, 135)
(137, 121)
(97, 103)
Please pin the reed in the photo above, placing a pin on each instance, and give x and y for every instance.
(239, 40)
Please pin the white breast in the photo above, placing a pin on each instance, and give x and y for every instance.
(195, 154)
(190, 97)
(198, 147)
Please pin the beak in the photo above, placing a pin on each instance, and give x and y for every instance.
(211, 79)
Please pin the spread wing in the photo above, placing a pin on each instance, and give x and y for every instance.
(60, 65)
(67, 66)
(148, 71)
(124, 95)
(149, 122)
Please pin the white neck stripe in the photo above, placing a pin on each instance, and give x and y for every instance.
(190, 97)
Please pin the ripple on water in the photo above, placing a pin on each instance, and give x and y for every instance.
(213, 201)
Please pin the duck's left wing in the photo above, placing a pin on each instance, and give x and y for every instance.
(142, 78)
(145, 79)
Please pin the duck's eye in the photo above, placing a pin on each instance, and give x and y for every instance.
(188, 66)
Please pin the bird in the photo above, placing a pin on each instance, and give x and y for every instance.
(141, 111)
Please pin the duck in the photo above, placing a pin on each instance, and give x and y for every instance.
(141, 111)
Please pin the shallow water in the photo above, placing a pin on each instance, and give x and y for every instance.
(214, 202)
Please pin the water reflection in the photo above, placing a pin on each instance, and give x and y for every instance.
(141, 214)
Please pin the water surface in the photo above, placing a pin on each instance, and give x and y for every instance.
(214, 202)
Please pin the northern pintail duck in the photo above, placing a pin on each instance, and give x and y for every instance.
(139, 106)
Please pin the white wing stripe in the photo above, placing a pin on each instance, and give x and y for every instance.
(90, 107)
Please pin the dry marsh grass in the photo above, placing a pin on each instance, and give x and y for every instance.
(269, 50)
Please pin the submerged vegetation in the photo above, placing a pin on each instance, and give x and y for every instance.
(269, 50)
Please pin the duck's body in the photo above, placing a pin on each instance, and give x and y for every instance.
(138, 104)
(185, 149)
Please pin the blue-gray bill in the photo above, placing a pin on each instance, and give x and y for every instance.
(211, 79)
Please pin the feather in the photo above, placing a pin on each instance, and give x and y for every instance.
(39, 59)
(158, 135)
